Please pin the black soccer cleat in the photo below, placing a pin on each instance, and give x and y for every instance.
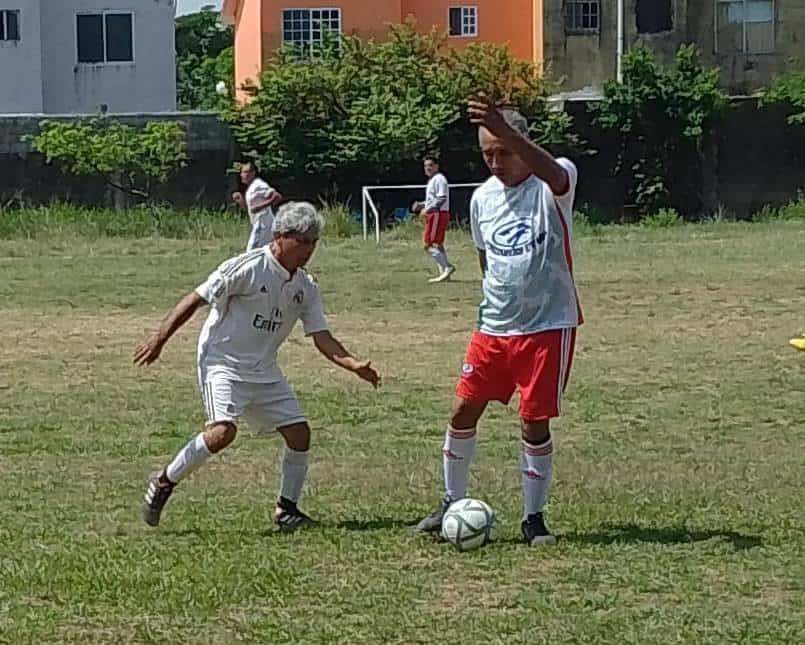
(535, 532)
(156, 496)
(433, 522)
(289, 518)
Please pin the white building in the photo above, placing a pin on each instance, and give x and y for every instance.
(85, 56)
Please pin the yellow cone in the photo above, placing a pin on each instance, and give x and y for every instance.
(799, 343)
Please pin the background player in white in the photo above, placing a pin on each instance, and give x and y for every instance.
(435, 212)
(256, 299)
(259, 201)
(521, 225)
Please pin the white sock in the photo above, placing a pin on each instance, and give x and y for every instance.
(189, 459)
(439, 256)
(294, 471)
(457, 452)
(536, 464)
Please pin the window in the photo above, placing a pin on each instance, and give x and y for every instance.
(582, 16)
(654, 16)
(463, 21)
(9, 24)
(305, 29)
(105, 37)
(744, 26)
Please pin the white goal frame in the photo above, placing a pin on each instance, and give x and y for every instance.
(369, 203)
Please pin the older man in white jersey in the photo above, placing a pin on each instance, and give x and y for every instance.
(521, 226)
(255, 299)
(259, 201)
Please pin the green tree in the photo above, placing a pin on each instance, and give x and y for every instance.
(129, 159)
(788, 89)
(204, 57)
(660, 118)
(361, 104)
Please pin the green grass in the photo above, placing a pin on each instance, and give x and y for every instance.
(678, 491)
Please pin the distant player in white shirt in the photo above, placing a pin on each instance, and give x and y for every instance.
(259, 200)
(521, 225)
(435, 213)
(255, 300)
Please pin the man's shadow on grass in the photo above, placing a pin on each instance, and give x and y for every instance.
(634, 534)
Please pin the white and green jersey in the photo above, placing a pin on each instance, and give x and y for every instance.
(526, 232)
(255, 304)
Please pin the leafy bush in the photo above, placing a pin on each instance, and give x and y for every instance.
(127, 158)
(788, 89)
(661, 118)
(340, 220)
(664, 218)
(362, 107)
(793, 210)
(204, 56)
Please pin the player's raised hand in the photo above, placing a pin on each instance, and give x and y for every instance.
(482, 111)
(368, 373)
(149, 350)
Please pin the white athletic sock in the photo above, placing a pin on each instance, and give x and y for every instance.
(440, 257)
(457, 452)
(189, 459)
(294, 471)
(536, 464)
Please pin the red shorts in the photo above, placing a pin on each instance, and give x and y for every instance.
(435, 228)
(536, 365)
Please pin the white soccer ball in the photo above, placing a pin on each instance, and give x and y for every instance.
(221, 89)
(468, 524)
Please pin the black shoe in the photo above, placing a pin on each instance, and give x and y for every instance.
(288, 516)
(433, 522)
(535, 532)
(156, 496)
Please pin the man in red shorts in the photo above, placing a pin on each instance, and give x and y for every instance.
(521, 225)
(435, 212)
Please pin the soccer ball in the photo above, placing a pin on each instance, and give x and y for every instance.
(468, 524)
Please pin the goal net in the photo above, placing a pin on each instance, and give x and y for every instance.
(388, 206)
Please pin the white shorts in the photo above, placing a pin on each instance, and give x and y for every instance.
(261, 230)
(264, 406)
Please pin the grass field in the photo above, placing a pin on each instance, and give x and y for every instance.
(678, 492)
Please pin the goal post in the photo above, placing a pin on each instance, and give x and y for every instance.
(371, 211)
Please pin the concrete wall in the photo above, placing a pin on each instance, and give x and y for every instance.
(586, 60)
(146, 85)
(21, 63)
(745, 73)
(757, 159)
(24, 175)
(589, 59)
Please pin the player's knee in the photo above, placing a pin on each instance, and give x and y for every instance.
(536, 431)
(297, 436)
(465, 413)
(220, 436)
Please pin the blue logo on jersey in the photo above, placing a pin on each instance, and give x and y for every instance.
(513, 239)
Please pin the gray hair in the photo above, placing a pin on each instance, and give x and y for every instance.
(515, 120)
(300, 218)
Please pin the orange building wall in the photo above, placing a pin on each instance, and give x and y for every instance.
(248, 43)
(514, 25)
(259, 25)
(366, 18)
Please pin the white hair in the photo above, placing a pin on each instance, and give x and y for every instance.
(515, 120)
(298, 217)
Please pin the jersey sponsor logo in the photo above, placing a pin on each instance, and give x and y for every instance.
(514, 239)
(467, 369)
(271, 324)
